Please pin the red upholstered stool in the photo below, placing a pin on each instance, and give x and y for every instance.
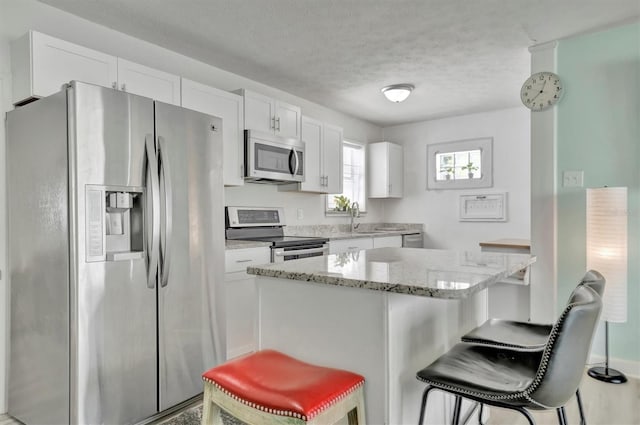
(269, 387)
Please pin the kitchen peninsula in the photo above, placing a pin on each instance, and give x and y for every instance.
(384, 313)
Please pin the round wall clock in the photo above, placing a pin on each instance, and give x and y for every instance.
(541, 91)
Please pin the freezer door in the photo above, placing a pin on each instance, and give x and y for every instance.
(113, 311)
(191, 327)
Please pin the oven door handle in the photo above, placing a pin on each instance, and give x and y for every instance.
(280, 252)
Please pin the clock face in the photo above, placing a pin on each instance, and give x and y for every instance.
(541, 91)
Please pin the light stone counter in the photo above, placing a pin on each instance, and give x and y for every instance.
(422, 272)
(364, 230)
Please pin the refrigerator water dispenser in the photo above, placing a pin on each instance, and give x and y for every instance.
(114, 224)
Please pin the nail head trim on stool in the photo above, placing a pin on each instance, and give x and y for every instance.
(271, 382)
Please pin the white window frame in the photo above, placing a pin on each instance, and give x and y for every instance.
(484, 144)
(363, 203)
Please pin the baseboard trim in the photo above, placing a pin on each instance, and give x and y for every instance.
(630, 368)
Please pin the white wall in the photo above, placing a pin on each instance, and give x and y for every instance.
(19, 16)
(438, 209)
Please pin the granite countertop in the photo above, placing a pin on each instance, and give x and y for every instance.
(234, 244)
(364, 230)
(415, 271)
(508, 243)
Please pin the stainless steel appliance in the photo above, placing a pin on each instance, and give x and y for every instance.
(412, 240)
(273, 159)
(266, 224)
(117, 256)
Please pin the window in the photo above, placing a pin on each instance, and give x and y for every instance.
(353, 180)
(460, 165)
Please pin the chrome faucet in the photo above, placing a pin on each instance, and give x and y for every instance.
(355, 213)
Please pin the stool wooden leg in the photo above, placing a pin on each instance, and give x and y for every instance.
(210, 410)
(356, 416)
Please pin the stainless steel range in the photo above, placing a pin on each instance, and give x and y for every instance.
(266, 224)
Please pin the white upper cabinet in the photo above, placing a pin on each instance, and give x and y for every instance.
(229, 107)
(149, 82)
(385, 170)
(312, 138)
(332, 158)
(42, 64)
(323, 158)
(269, 115)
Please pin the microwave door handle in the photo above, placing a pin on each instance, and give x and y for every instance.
(292, 152)
(295, 155)
(166, 236)
(152, 194)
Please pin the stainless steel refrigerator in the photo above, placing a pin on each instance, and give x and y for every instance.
(116, 245)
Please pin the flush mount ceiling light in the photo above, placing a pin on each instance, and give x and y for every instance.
(397, 92)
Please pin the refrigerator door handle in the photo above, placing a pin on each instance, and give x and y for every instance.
(153, 231)
(167, 230)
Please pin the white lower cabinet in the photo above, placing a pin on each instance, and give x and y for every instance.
(394, 241)
(241, 299)
(349, 245)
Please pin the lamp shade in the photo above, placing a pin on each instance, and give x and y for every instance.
(607, 247)
(397, 92)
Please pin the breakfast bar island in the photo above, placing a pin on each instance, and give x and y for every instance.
(383, 313)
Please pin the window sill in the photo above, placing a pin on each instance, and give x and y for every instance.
(332, 213)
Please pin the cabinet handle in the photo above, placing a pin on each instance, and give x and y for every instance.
(124, 87)
(326, 180)
(273, 123)
(242, 261)
(352, 247)
(114, 85)
(278, 121)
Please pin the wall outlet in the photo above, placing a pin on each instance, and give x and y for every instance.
(300, 213)
(573, 179)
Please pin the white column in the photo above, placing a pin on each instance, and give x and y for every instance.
(543, 197)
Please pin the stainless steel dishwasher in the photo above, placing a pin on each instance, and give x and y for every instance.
(413, 240)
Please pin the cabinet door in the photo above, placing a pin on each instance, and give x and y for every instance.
(42, 64)
(259, 112)
(332, 158)
(287, 120)
(229, 107)
(312, 137)
(394, 241)
(241, 306)
(349, 245)
(144, 81)
(396, 170)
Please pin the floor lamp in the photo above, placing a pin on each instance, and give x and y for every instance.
(607, 253)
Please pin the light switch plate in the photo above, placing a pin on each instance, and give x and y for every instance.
(300, 213)
(573, 178)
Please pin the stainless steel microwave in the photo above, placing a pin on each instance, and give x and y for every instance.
(273, 159)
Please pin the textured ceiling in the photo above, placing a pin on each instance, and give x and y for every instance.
(463, 56)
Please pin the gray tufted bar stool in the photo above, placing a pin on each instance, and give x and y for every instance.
(527, 335)
(519, 379)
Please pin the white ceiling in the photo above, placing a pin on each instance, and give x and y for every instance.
(463, 56)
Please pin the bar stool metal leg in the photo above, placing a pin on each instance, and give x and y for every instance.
(583, 418)
(562, 416)
(423, 407)
(455, 419)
